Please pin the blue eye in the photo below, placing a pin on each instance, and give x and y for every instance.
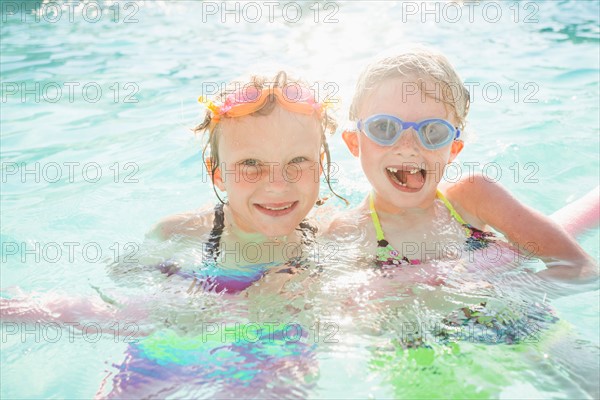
(298, 160)
(250, 163)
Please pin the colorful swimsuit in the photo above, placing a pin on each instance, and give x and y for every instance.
(387, 256)
(521, 323)
(213, 277)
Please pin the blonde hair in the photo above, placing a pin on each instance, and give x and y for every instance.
(423, 65)
(280, 80)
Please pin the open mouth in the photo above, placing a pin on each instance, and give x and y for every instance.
(276, 209)
(408, 178)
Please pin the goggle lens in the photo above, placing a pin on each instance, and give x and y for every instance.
(384, 128)
(296, 93)
(436, 133)
(292, 93)
(249, 94)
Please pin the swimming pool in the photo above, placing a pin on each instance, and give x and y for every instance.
(99, 151)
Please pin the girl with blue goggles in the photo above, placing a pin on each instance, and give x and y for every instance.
(409, 205)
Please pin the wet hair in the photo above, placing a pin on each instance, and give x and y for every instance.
(418, 65)
(213, 129)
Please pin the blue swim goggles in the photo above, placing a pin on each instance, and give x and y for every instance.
(385, 130)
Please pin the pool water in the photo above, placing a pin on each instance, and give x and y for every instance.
(93, 169)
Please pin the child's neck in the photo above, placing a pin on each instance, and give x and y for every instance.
(383, 206)
(246, 236)
(255, 247)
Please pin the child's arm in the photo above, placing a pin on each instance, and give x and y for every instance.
(535, 234)
(164, 242)
(73, 310)
(194, 223)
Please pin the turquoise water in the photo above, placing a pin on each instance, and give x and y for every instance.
(150, 62)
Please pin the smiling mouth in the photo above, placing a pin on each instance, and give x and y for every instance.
(276, 209)
(409, 178)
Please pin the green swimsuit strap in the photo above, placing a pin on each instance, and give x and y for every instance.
(468, 228)
(377, 223)
(375, 218)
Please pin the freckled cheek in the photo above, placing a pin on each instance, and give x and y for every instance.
(436, 163)
(438, 158)
(370, 162)
(370, 151)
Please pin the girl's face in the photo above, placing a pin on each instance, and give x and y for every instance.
(405, 174)
(269, 167)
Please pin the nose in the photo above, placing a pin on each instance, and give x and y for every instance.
(277, 180)
(407, 144)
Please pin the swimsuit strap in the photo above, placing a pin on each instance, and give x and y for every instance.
(309, 232)
(476, 238)
(473, 234)
(214, 239)
(375, 218)
(386, 255)
(450, 208)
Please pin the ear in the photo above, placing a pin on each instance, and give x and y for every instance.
(208, 163)
(456, 148)
(216, 176)
(321, 163)
(351, 140)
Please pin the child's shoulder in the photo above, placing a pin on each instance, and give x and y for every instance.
(349, 222)
(197, 223)
(475, 196)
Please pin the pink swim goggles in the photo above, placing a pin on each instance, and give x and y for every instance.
(292, 97)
